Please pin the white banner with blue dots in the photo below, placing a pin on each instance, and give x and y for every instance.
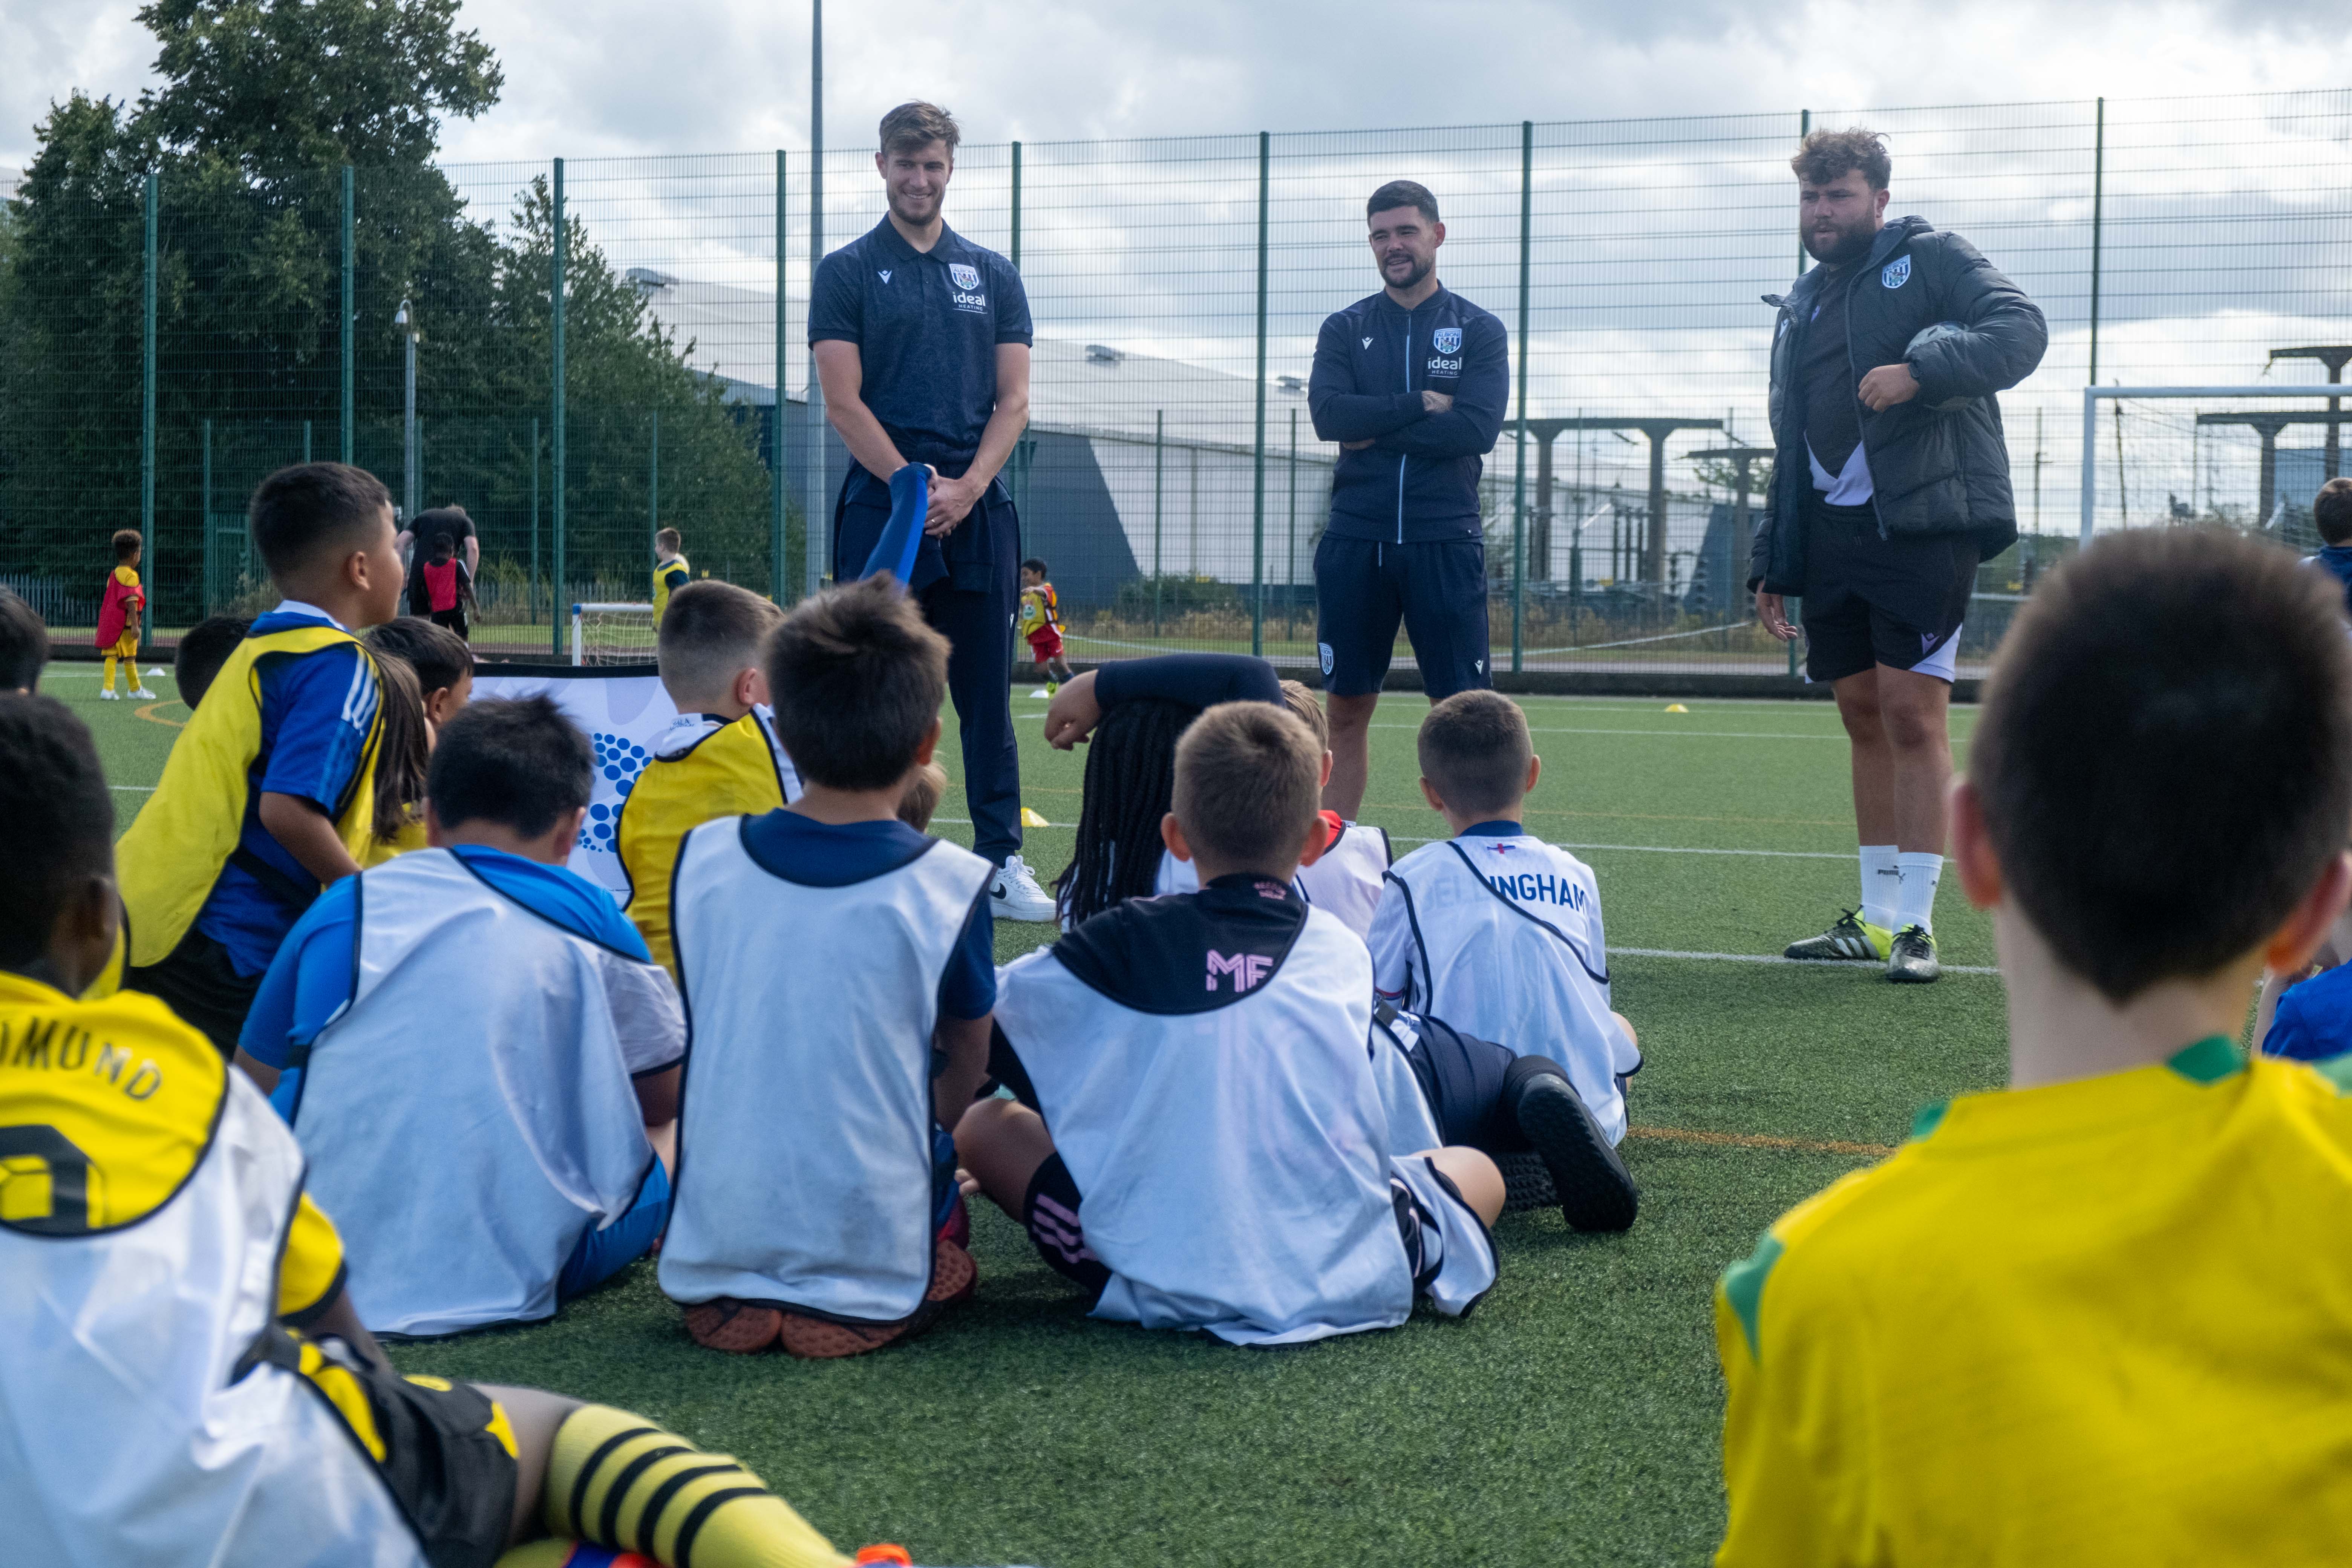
(622, 714)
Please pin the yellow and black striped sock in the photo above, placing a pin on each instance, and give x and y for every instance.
(620, 1481)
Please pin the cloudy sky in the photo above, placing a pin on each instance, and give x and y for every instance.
(2227, 221)
(598, 77)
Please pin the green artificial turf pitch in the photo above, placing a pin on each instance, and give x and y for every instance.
(1573, 1418)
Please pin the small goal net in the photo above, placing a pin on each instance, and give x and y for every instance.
(2247, 457)
(612, 634)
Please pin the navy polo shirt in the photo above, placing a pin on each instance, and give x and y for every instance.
(927, 326)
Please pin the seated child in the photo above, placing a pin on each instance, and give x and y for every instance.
(24, 645)
(2100, 1315)
(204, 649)
(402, 757)
(1201, 1141)
(921, 801)
(443, 663)
(1041, 624)
(840, 969)
(1128, 774)
(186, 1379)
(118, 614)
(266, 798)
(483, 1022)
(1499, 934)
(1346, 875)
(720, 758)
(2331, 514)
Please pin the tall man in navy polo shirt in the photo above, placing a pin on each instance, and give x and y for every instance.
(1412, 383)
(922, 345)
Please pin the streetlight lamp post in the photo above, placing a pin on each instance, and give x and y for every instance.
(407, 325)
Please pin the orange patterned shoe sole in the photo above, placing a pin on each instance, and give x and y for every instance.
(727, 1324)
(954, 1277)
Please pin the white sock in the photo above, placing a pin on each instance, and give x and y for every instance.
(1919, 874)
(1879, 885)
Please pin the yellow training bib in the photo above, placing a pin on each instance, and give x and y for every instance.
(167, 862)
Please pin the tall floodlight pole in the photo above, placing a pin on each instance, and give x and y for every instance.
(818, 532)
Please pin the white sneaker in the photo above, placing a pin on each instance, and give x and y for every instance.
(110, 695)
(144, 695)
(1015, 895)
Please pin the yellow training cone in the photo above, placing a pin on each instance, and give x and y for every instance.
(1031, 819)
(1676, 708)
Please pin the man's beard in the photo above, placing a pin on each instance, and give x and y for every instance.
(1421, 269)
(1845, 245)
(907, 210)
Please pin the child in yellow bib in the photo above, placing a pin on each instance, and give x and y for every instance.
(268, 793)
(176, 1301)
(671, 572)
(2103, 1315)
(720, 759)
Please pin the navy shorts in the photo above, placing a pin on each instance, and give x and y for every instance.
(1051, 1217)
(1437, 589)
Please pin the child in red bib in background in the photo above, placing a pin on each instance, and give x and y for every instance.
(118, 618)
(449, 587)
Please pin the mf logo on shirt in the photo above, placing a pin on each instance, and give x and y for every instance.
(1446, 339)
(1895, 273)
(965, 277)
(1247, 968)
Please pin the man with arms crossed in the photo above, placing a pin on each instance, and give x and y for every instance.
(922, 346)
(1412, 383)
(1890, 481)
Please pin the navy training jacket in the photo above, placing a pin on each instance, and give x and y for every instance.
(1418, 479)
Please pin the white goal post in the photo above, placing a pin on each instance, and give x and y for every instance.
(584, 615)
(2272, 391)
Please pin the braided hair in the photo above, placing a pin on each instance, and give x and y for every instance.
(1129, 783)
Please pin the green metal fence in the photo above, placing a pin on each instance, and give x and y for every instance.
(603, 347)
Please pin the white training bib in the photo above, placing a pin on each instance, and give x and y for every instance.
(468, 1115)
(1502, 939)
(1347, 878)
(804, 1136)
(131, 1433)
(1233, 1164)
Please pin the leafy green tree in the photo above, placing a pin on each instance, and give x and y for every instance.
(263, 103)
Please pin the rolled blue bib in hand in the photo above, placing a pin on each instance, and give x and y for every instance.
(910, 503)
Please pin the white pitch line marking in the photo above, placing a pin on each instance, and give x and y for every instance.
(1673, 849)
(1776, 958)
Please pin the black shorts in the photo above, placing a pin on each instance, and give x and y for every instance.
(199, 981)
(448, 1457)
(1051, 1215)
(454, 620)
(1364, 587)
(1898, 602)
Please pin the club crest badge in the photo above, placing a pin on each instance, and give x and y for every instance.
(1446, 339)
(1895, 273)
(969, 277)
